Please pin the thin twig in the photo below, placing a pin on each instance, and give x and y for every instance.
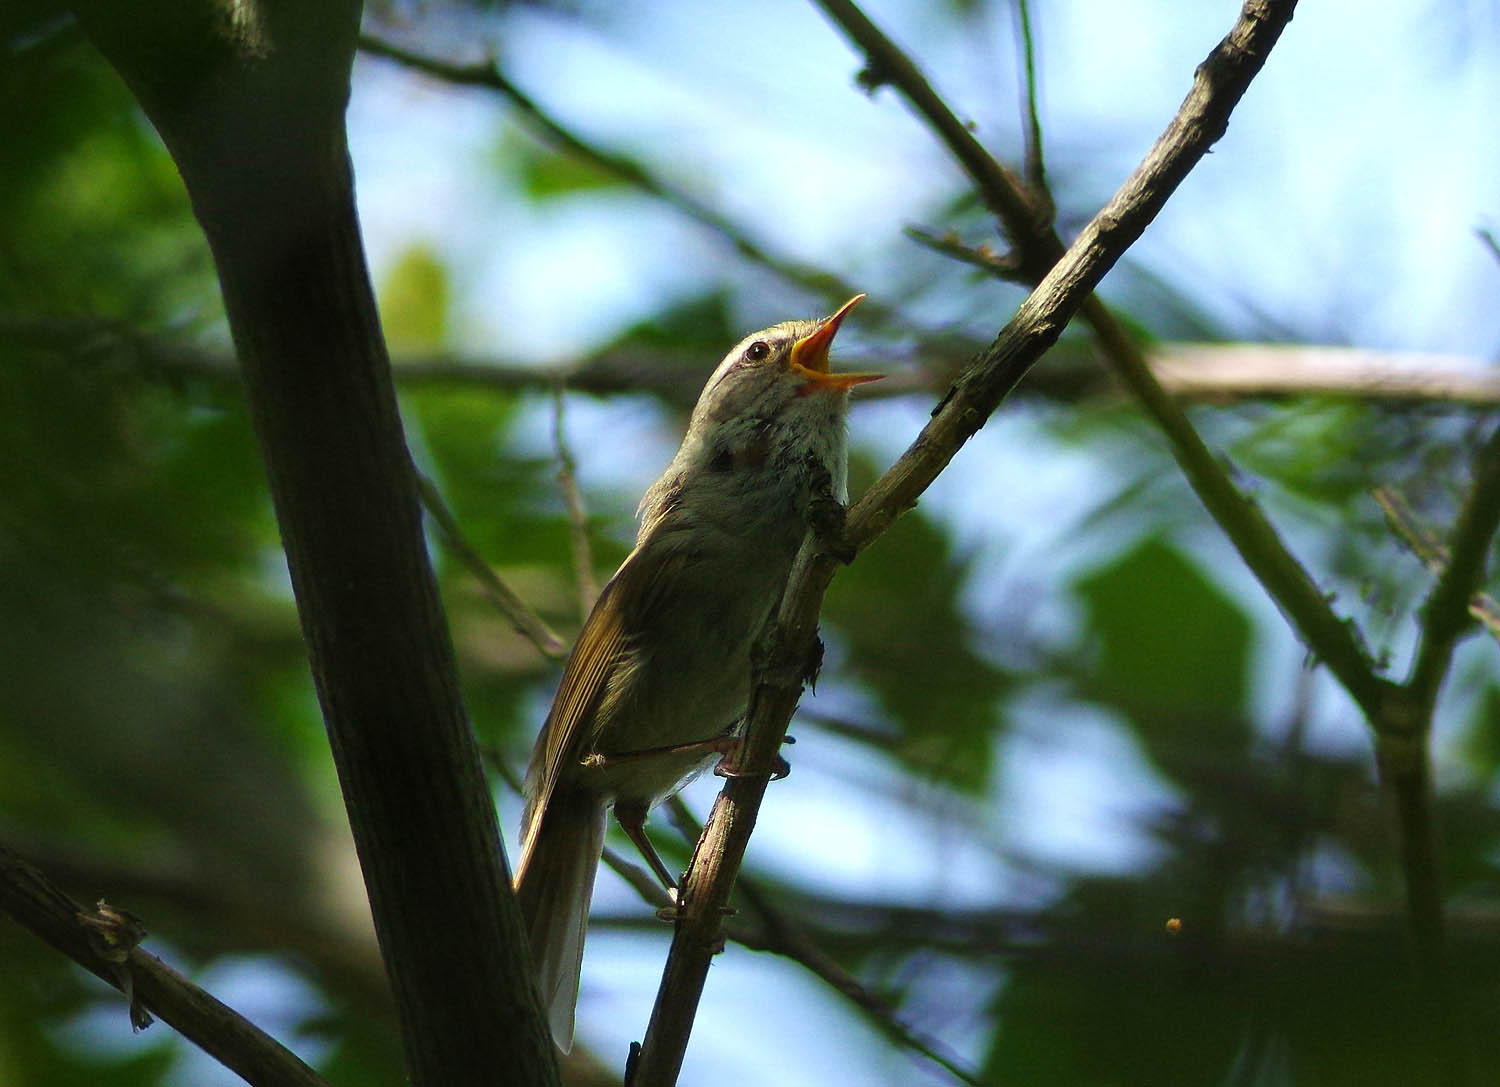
(623, 168)
(780, 935)
(1430, 551)
(1399, 716)
(1335, 641)
(1036, 167)
(578, 518)
(1213, 372)
(1406, 772)
(787, 645)
(1487, 237)
(981, 256)
(784, 937)
(85, 936)
(1446, 613)
(1025, 221)
(523, 618)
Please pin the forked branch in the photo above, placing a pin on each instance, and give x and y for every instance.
(1218, 84)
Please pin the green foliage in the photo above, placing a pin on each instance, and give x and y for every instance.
(1172, 653)
(911, 647)
(414, 301)
(95, 218)
(544, 174)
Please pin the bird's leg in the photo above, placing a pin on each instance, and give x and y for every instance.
(631, 815)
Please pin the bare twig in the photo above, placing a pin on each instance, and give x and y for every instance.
(1399, 716)
(94, 940)
(1026, 222)
(621, 167)
(1213, 372)
(1447, 611)
(1487, 237)
(780, 935)
(1431, 553)
(578, 518)
(1036, 167)
(523, 618)
(781, 664)
(981, 256)
(1406, 763)
(1334, 640)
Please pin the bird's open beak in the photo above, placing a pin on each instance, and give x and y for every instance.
(810, 354)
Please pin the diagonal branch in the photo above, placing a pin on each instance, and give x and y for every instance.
(1026, 219)
(41, 907)
(1420, 541)
(524, 619)
(1446, 614)
(1334, 640)
(1036, 163)
(584, 581)
(788, 644)
(779, 934)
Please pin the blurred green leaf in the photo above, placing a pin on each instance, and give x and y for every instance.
(544, 174)
(909, 643)
(414, 301)
(1169, 650)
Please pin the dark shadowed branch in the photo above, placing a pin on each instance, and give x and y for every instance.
(250, 101)
(87, 937)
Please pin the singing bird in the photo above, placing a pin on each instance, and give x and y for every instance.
(659, 678)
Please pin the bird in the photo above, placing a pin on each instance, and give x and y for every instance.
(658, 680)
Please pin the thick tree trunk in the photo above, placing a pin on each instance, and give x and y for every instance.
(250, 100)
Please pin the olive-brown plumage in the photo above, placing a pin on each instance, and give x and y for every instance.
(664, 657)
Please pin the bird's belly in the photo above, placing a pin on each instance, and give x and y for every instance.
(687, 682)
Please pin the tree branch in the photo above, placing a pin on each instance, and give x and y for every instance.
(1335, 641)
(578, 520)
(1212, 372)
(1432, 554)
(1031, 121)
(1218, 84)
(523, 618)
(1026, 220)
(41, 907)
(780, 935)
(1406, 762)
(1447, 613)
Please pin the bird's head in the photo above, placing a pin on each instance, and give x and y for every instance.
(779, 374)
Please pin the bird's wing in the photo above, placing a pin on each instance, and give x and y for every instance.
(603, 646)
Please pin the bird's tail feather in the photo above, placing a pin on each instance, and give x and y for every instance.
(554, 882)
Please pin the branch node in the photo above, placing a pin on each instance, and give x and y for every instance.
(112, 934)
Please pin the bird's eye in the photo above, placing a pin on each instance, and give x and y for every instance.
(758, 350)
